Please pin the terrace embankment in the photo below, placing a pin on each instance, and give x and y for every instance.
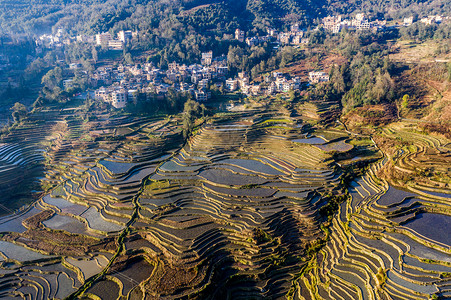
(92, 171)
(233, 213)
(390, 240)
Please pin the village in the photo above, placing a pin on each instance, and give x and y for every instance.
(124, 84)
(120, 84)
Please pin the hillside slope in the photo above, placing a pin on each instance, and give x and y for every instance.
(91, 16)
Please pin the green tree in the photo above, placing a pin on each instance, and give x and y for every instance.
(128, 58)
(405, 101)
(95, 54)
(191, 110)
(52, 83)
(19, 112)
(53, 78)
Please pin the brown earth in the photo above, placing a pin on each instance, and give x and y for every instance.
(373, 115)
(35, 222)
(56, 242)
(302, 67)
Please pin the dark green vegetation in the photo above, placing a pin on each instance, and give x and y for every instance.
(93, 16)
(179, 31)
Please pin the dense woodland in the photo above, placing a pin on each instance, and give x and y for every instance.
(92, 16)
(181, 30)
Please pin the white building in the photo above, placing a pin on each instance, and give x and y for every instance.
(115, 45)
(69, 83)
(332, 23)
(203, 84)
(429, 20)
(239, 35)
(101, 94)
(75, 66)
(253, 41)
(201, 95)
(125, 36)
(408, 21)
(102, 39)
(132, 95)
(231, 85)
(207, 58)
(119, 98)
(316, 77)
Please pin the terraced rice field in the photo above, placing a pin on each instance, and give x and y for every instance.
(52, 248)
(21, 162)
(237, 211)
(387, 242)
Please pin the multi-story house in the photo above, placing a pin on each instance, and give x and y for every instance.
(316, 77)
(125, 36)
(207, 58)
(102, 39)
(231, 85)
(115, 45)
(332, 23)
(202, 95)
(118, 98)
(239, 35)
(203, 84)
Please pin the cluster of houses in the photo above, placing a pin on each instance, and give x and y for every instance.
(120, 85)
(105, 39)
(293, 37)
(360, 22)
(429, 20)
(317, 77)
(123, 84)
(275, 83)
(335, 24)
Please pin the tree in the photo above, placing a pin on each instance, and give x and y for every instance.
(19, 112)
(337, 79)
(53, 78)
(293, 95)
(405, 101)
(191, 110)
(95, 54)
(52, 82)
(383, 88)
(39, 102)
(128, 58)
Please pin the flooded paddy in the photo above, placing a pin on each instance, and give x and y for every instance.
(311, 141)
(16, 252)
(115, 167)
(105, 289)
(96, 222)
(340, 146)
(66, 223)
(65, 206)
(433, 226)
(89, 267)
(393, 196)
(229, 178)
